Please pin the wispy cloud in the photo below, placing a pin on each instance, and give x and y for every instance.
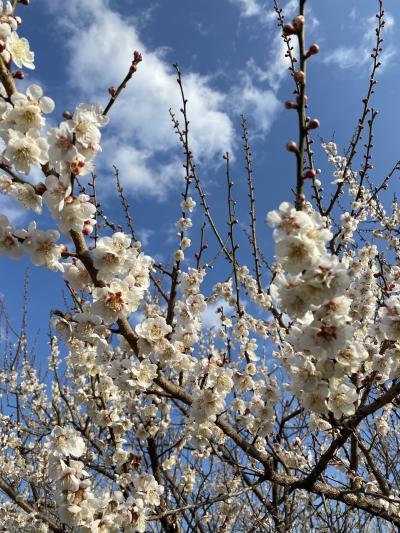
(10, 208)
(254, 8)
(101, 43)
(262, 105)
(210, 318)
(346, 57)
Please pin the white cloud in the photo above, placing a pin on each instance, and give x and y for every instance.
(12, 210)
(261, 105)
(138, 172)
(346, 57)
(101, 43)
(145, 236)
(250, 8)
(264, 10)
(210, 318)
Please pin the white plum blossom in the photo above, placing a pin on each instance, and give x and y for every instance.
(153, 329)
(9, 243)
(66, 441)
(77, 275)
(42, 247)
(19, 50)
(58, 189)
(77, 214)
(25, 150)
(118, 300)
(24, 193)
(61, 145)
(343, 398)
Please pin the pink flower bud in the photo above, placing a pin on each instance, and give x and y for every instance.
(298, 22)
(40, 188)
(18, 75)
(133, 69)
(310, 174)
(299, 76)
(112, 90)
(290, 105)
(292, 147)
(137, 56)
(24, 2)
(313, 50)
(313, 124)
(67, 115)
(288, 29)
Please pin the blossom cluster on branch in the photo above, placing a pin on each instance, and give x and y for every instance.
(151, 421)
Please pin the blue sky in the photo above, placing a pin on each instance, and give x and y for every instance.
(230, 55)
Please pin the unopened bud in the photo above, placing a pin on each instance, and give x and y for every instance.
(179, 256)
(112, 90)
(298, 22)
(40, 188)
(67, 115)
(290, 105)
(18, 75)
(313, 124)
(310, 174)
(288, 29)
(133, 69)
(299, 76)
(137, 56)
(292, 147)
(18, 20)
(24, 2)
(313, 50)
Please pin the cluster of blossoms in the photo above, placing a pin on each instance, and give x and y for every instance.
(75, 500)
(333, 341)
(118, 378)
(77, 504)
(322, 353)
(145, 386)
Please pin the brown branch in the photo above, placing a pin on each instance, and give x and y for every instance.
(16, 497)
(252, 213)
(360, 126)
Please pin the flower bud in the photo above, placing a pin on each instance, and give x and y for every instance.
(40, 188)
(313, 124)
(313, 50)
(67, 115)
(299, 76)
(290, 105)
(310, 174)
(288, 29)
(292, 147)
(24, 2)
(18, 75)
(112, 90)
(137, 56)
(298, 22)
(179, 255)
(18, 20)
